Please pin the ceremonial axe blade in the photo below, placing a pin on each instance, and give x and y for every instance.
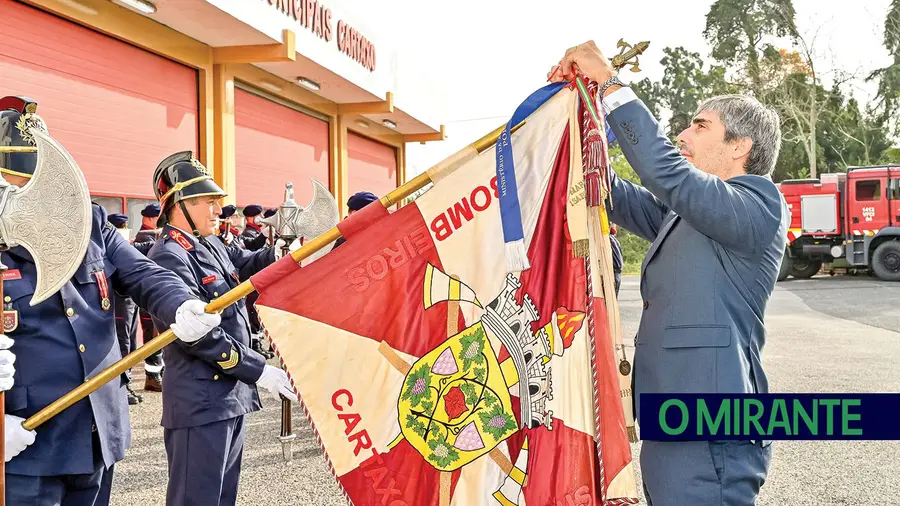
(293, 221)
(50, 216)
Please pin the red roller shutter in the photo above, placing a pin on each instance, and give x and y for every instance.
(275, 144)
(372, 165)
(118, 109)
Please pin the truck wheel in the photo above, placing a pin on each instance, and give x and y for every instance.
(805, 268)
(785, 270)
(886, 261)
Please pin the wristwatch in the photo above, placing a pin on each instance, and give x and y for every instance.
(610, 82)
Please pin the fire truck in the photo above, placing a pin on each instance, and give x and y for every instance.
(854, 216)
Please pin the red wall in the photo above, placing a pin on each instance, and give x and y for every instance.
(372, 165)
(117, 109)
(275, 144)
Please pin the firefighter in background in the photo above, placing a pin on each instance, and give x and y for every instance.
(228, 231)
(616, 256)
(126, 315)
(211, 380)
(356, 202)
(143, 241)
(252, 236)
(253, 239)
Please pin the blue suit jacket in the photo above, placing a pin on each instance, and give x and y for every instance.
(717, 246)
(50, 360)
(214, 378)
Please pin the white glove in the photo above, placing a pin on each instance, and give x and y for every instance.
(17, 438)
(279, 247)
(7, 359)
(192, 322)
(276, 381)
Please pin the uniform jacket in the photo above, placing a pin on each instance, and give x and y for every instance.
(252, 238)
(716, 250)
(145, 235)
(69, 338)
(213, 379)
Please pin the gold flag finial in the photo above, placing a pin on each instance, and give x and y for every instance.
(629, 55)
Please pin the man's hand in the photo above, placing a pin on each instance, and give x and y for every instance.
(17, 438)
(7, 359)
(192, 322)
(584, 58)
(276, 381)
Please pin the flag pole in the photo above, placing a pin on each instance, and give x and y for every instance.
(246, 288)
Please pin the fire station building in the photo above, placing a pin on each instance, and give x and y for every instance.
(263, 91)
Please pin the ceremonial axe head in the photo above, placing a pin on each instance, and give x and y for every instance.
(50, 216)
(293, 221)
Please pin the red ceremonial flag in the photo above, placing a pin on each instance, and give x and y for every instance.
(434, 377)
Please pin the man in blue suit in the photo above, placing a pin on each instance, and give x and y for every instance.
(211, 382)
(70, 338)
(718, 226)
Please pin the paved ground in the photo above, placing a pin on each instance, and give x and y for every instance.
(825, 334)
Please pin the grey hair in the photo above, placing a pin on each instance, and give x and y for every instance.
(746, 117)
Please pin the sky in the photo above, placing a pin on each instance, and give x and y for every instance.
(486, 56)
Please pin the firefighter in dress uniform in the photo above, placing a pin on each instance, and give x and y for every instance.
(210, 383)
(356, 202)
(253, 239)
(69, 338)
(126, 315)
(252, 236)
(228, 230)
(146, 236)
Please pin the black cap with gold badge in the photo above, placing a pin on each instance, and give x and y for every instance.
(18, 154)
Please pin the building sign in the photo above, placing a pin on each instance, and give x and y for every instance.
(316, 17)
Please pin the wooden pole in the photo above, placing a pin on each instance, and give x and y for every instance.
(2, 401)
(246, 288)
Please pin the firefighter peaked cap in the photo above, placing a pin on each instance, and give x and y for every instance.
(180, 177)
(17, 117)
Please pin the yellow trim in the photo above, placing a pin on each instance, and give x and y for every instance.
(18, 149)
(182, 185)
(517, 475)
(454, 289)
(231, 362)
(429, 273)
(14, 173)
(502, 499)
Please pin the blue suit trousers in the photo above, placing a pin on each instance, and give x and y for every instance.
(205, 463)
(703, 473)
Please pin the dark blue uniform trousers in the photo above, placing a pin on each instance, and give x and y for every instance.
(703, 473)
(203, 471)
(66, 490)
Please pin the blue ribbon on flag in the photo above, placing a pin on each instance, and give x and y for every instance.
(510, 210)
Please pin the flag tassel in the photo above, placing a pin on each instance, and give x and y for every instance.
(517, 256)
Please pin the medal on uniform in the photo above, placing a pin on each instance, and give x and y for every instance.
(10, 320)
(104, 289)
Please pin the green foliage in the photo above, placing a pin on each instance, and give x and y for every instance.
(736, 30)
(888, 102)
(633, 247)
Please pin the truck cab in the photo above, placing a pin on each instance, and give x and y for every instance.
(853, 215)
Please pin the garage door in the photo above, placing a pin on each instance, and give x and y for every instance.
(119, 110)
(372, 165)
(275, 144)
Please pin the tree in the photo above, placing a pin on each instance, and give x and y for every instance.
(888, 98)
(735, 29)
(686, 82)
